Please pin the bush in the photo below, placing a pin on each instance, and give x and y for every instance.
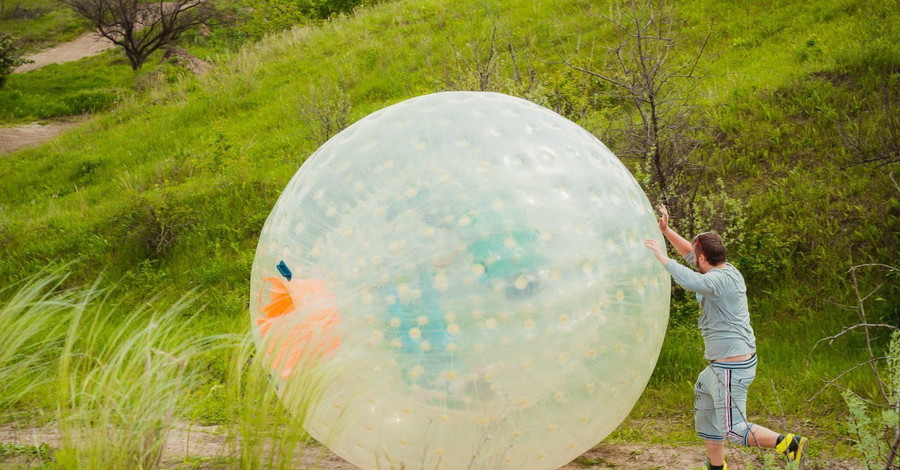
(10, 57)
(88, 101)
(873, 426)
(272, 16)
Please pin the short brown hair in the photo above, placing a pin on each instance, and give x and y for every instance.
(712, 246)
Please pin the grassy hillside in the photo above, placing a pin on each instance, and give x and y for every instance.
(168, 191)
(38, 23)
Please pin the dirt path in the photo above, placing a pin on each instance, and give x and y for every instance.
(27, 135)
(85, 45)
(208, 443)
(88, 44)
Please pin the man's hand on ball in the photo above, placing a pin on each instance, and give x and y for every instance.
(657, 250)
(663, 218)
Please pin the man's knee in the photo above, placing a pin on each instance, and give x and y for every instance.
(739, 434)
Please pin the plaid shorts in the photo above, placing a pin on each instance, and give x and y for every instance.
(720, 401)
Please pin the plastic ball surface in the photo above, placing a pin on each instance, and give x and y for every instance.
(469, 268)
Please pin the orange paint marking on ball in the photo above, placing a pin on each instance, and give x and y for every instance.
(305, 318)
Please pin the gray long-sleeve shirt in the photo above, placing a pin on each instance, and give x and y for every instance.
(725, 318)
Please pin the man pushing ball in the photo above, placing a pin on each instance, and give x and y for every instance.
(720, 394)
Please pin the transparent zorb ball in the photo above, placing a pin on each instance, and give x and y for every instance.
(469, 269)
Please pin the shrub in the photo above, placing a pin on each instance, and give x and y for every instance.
(10, 57)
(874, 426)
(89, 101)
(873, 420)
(272, 16)
(325, 111)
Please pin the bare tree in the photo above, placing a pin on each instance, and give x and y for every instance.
(492, 62)
(141, 27)
(326, 111)
(658, 82)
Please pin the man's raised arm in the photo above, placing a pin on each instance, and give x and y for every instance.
(682, 246)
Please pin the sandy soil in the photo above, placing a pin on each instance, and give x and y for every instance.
(86, 45)
(208, 442)
(18, 137)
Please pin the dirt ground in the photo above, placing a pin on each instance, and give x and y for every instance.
(27, 135)
(207, 443)
(85, 45)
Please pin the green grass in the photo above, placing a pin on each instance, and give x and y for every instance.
(263, 417)
(39, 23)
(89, 85)
(121, 381)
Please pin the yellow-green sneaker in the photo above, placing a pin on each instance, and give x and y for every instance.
(794, 448)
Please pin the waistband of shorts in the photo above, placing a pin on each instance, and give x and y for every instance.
(736, 365)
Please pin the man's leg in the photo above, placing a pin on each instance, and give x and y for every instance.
(791, 445)
(762, 437)
(735, 379)
(715, 452)
(706, 422)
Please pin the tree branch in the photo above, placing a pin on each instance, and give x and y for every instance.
(834, 380)
(141, 28)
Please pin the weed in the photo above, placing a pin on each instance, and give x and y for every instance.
(585, 461)
(41, 452)
(325, 111)
(32, 321)
(267, 406)
(121, 377)
(874, 410)
(874, 425)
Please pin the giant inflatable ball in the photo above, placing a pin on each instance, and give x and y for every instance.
(469, 270)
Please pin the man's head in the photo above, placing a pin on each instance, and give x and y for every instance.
(709, 251)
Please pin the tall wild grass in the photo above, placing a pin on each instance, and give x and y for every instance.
(119, 378)
(122, 378)
(266, 411)
(32, 327)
